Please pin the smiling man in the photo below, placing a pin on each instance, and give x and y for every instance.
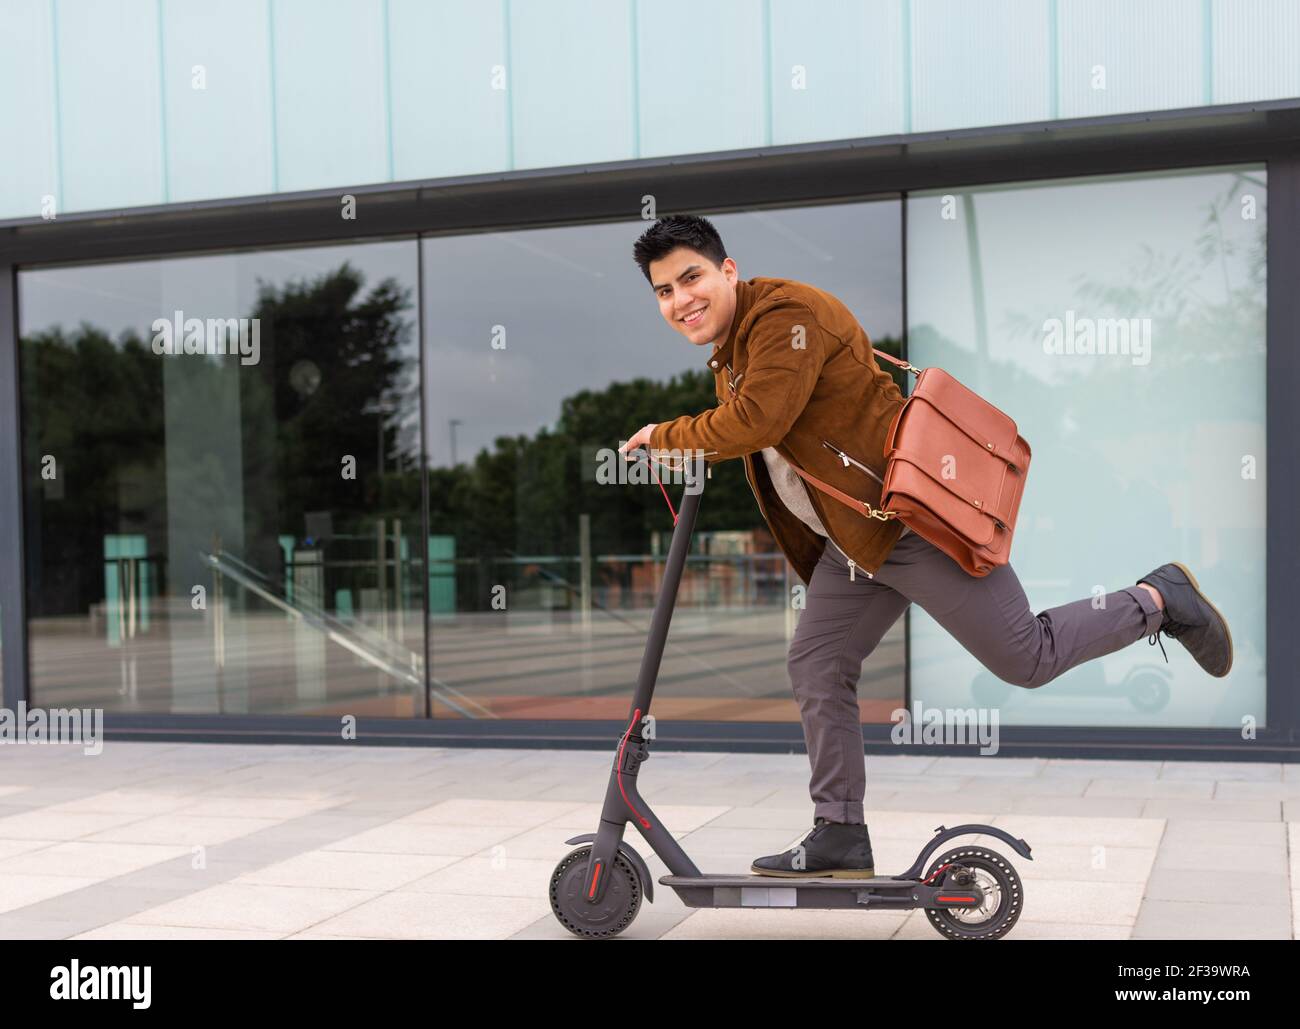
(797, 382)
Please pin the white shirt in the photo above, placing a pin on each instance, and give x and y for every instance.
(793, 492)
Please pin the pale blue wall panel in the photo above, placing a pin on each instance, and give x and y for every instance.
(1118, 56)
(29, 166)
(1256, 50)
(448, 117)
(698, 97)
(573, 81)
(329, 94)
(217, 94)
(837, 69)
(979, 63)
(331, 119)
(110, 116)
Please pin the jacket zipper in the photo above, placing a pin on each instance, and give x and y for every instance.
(851, 461)
(731, 383)
(852, 563)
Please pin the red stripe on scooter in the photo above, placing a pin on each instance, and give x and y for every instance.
(595, 875)
(957, 900)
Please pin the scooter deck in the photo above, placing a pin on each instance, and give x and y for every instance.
(759, 891)
(884, 882)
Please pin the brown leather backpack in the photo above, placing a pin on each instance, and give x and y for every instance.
(955, 470)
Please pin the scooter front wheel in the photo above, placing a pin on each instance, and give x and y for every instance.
(1004, 894)
(615, 910)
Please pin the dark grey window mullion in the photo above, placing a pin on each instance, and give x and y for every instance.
(13, 621)
(904, 355)
(424, 475)
(1282, 428)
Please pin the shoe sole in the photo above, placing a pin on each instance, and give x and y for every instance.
(838, 873)
(1222, 621)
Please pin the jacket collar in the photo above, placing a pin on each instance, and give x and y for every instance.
(745, 296)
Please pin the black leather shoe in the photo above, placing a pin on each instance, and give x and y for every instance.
(1191, 619)
(836, 850)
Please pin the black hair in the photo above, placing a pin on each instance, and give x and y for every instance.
(678, 230)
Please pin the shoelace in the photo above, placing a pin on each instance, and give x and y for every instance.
(1171, 629)
(817, 828)
(813, 834)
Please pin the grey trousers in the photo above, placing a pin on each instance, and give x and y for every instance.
(844, 619)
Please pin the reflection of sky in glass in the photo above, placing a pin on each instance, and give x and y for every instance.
(125, 297)
(578, 315)
(1133, 464)
(116, 297)
(1038, 242)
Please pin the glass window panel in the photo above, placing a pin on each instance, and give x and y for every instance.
(232, 532)
(1151, 449)
(545, 346)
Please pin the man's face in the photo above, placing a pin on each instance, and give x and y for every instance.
(696, 297)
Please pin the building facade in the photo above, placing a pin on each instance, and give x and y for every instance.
(319, 323)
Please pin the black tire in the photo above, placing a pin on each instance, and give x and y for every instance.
(617, 908)
(1002, 908)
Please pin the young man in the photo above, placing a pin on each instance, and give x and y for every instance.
(795, 376)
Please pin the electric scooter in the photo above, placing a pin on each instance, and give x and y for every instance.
(969, 892)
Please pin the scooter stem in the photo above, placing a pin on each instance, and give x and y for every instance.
(667, 598)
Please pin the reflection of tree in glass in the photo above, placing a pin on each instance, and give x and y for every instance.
(366, 385)
(532, 488)
(1195, 298)
(95, 407)
(1206, 304)
(354, 349)
(103, 407)
(526, 495)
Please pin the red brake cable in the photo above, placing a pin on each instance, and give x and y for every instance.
(668, 502)
(661, 488)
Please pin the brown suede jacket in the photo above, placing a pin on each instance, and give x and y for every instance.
(796, 371)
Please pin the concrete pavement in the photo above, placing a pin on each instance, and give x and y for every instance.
(171, 841)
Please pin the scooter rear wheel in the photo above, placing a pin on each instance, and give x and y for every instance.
(1003, 901)
(616, 908)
